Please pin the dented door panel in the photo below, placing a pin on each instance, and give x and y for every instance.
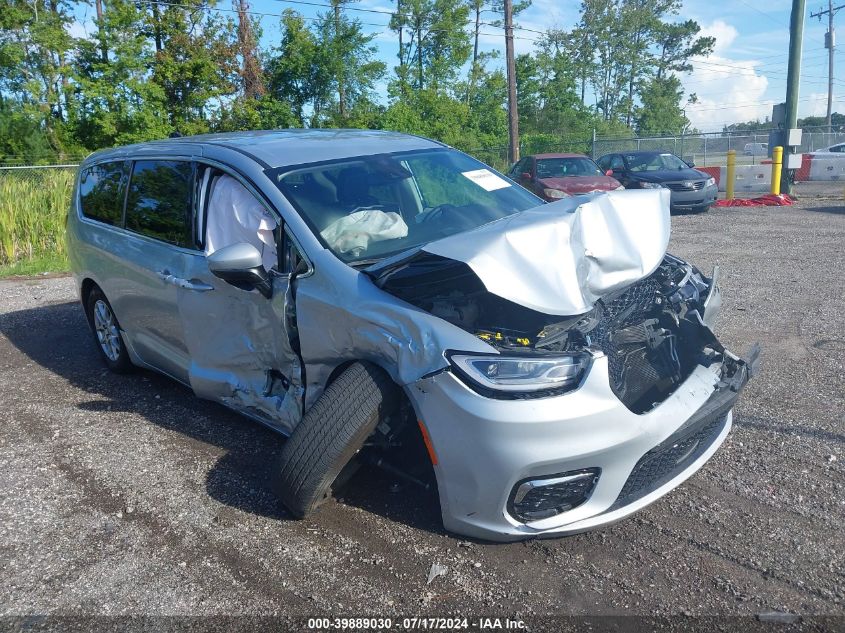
(241, 353)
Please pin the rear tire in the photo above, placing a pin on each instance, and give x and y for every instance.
(331, 432)
(107, 334)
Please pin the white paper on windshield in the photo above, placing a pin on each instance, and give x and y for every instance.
(486, 179)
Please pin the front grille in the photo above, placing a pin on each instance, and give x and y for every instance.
(668, 459)
(634, 369)
(685, 186)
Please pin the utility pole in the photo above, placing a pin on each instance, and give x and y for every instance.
(793, 79)
(829, 44)
(513, 114)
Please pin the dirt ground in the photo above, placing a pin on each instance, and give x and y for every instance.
(127, 495)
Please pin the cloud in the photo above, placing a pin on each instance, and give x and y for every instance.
(724, 33)
(728, 90)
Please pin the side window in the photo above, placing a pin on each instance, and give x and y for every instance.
(616, 163)
(603, 163)
(158, 204)
(101, 192)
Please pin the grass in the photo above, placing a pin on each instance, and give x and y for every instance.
(35, 266)
(33, 206)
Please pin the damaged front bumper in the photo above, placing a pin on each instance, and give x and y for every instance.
(490, 451)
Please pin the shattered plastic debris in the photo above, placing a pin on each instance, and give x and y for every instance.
(435, 571)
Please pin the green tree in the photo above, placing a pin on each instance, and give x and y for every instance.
(434, 46)
(117, 104)
(295, 72)
(347, 54)
(195, 62)
(35, 49)
(660, 111)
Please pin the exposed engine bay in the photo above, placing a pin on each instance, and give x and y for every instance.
(652, 331)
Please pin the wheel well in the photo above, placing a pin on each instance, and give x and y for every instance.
(411, 452)
(87, 286)
(84, 292)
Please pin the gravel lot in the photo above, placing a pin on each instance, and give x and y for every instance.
(127, 495)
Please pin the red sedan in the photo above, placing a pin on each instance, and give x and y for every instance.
(556, 176)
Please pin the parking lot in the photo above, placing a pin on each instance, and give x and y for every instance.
(127, 495)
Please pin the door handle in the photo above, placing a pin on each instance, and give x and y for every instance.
(190, 284)
(187, 284)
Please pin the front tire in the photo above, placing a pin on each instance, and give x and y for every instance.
(107, 333)
(331, 432)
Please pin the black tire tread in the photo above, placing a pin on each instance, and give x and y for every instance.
(330, 434)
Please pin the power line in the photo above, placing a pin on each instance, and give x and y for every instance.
(310, 19)
(768, 15)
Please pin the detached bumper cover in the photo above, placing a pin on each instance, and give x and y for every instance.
(693, 438)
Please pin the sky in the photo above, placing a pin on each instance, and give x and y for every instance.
(740, 81)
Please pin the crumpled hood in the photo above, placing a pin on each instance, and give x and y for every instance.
(560, 258)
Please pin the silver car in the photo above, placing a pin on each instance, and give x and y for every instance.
(380, 298)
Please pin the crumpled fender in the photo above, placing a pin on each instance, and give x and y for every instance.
(560, 258)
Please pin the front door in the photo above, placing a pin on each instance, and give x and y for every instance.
(240, 343)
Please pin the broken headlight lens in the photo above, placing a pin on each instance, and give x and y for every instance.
(557, 194)
(522, 374)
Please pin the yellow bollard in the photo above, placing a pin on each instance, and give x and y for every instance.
(777, 166)
(729, 186)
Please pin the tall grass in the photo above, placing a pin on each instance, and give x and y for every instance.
(33, 207)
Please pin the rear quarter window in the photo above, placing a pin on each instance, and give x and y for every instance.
(158, 204)
(101, 192)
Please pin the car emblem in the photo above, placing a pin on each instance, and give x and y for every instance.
(687, 185)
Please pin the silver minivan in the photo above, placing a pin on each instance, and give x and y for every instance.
(383, 298)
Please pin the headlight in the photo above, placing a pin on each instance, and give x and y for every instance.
(555, 193)
(651, 185)
(710, 182)
(511, 376)
(620, 188)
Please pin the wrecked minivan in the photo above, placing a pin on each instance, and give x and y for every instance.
(383, 298)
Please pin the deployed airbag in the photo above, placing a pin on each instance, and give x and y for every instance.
(560, 258)
(235, 215)
(354, 232)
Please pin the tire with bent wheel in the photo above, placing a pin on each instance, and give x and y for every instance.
(106, 331)
(331, 432)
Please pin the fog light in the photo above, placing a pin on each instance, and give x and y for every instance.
(535, 499)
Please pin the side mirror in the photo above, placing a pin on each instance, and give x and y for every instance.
(691, 163)
(609, 172)
(525, 175)
(241, 265)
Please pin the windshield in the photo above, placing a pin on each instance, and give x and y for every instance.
(654, 162)
(371, 207)
(563, 167)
